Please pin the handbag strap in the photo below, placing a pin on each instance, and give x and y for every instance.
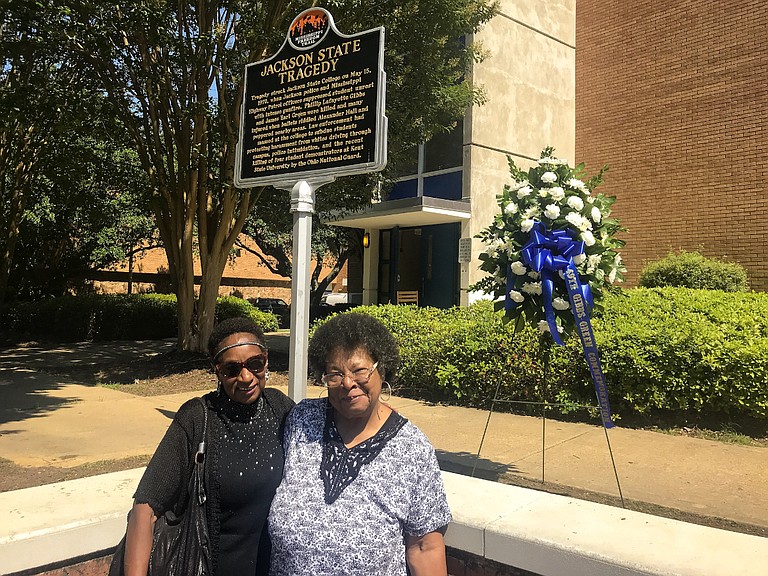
(200, 459)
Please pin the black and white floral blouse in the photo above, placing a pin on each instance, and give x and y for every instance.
(344, 512)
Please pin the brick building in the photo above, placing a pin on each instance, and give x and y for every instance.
(245, 276)
(674, 96)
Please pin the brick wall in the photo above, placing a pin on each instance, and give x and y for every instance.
(462, 563)
(245, 267)
(674, 97)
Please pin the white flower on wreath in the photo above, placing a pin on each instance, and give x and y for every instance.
(577, 184)
(518, 185)
(519, 268)
(544, 327)
(552, 211)
(526, 225)
(560, 304)
(531, 213)
(516, 296)
(579, 258)
(549, 177)
(494, 246)
(510, 208)
(543, 192)
(574, 218)
(532, 287)
(533, 274)
(575, 202)
(596, 215)
(588, 238)
(590, 200)
(557, 193)
(612, 275)
(593, 262)
(523, 192)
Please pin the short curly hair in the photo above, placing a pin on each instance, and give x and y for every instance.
(353, 331)
(236, 325)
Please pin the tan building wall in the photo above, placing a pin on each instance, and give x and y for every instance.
(529, 79)
(673, 96)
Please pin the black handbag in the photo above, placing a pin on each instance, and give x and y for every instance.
(180, 544)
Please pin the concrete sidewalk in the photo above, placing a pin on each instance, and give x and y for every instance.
(47, 420)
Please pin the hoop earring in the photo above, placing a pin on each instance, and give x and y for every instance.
(324, 390)
(389, 392)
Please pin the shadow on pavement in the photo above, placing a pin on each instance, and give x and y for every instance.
(465, 463)
(167, 413)
(26, 394)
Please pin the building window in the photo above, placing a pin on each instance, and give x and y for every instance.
(433, 168)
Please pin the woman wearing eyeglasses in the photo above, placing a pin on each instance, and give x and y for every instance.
(244, 458)
(361, 492)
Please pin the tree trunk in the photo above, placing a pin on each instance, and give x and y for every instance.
(209, 293)
(21, 140)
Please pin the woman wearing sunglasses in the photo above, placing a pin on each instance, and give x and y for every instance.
(244, 461)
(361, 492)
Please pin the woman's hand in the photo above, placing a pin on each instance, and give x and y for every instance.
(138, 540)
(425, 555)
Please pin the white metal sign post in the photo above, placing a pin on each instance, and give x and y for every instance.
(302, 206)
(312, 112)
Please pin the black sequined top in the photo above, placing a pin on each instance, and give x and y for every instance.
(243, 469)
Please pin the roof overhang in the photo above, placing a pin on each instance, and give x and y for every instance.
(419, 211)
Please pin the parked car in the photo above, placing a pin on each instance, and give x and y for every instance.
(333, 298)
(276, 306)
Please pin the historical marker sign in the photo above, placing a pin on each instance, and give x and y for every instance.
(316, 108)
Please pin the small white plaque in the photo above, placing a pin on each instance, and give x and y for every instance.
(465, 250)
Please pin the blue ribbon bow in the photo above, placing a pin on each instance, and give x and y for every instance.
(550, 253)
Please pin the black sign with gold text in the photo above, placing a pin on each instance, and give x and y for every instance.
(316, 108)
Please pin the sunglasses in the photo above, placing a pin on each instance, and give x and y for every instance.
(232, 369)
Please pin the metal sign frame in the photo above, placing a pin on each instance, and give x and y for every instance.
(286, 179)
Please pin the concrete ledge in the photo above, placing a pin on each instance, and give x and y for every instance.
(549, 534)
(50, 524)
(534, 531)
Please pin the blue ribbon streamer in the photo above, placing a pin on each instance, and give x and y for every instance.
(580, 308)
(550, 253)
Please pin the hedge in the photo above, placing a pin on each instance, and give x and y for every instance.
(662, 349)
(694, 270)
(113, 317)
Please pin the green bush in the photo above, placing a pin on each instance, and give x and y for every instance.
(693, 270)
(460, 355)
(679, 349)
(664, 349)
(112, 317)
(231, 307)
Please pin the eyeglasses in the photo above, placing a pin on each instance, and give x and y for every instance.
(232, 369)
(359, 377)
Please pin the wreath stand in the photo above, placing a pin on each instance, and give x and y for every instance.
(545, 351)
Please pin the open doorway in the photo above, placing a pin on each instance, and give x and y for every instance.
(421, 258)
